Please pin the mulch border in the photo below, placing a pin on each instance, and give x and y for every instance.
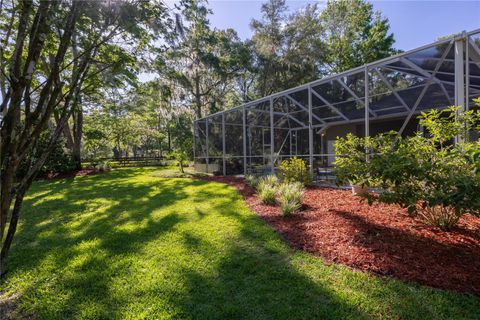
(381, 239)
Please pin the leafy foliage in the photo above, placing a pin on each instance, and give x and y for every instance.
(292, 49)
(181, 156)
(251, 180)
(431, 177)
(59, 160)
(291, 197)
(267, 189)
(350, 162)
(200, 62)
(295, 170)
(267, 193)
(289, 206)
(354, 34)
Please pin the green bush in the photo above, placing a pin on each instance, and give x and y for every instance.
(295, 170)
(429, 176)
(350, 162)
(270, 180)
(59, 160)
(251, 180)
(182, 158)
(267, 193)
(267, 189)
(291, 191)
(291, 197)
(289, 207)
(103, 166)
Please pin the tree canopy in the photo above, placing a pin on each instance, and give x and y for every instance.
(72, 75)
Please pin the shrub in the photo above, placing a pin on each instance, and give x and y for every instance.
(429, 176)
(104, 166)
(182, 158)
(267, 189)
(289, 207)
(290, 195)
(270, 180)
(251, 180)
(295, 170)
(59, 160)
(267, 193)
(350, 162)
(291, 191)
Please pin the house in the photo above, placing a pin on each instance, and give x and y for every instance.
(305, 121)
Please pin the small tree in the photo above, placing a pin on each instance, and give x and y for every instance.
(429, 176)
(182, 158)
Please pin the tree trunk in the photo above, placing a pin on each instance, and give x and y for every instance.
(169, 140)
(77, 138)
(116, 153)
(198, 100)
(11, 229)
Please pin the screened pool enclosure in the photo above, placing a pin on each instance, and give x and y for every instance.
(305, 121)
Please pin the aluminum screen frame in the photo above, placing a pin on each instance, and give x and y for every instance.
(256, 136)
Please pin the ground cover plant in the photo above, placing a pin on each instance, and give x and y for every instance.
(127, 244)
(251, 180)
(271, 191)
(291, 197)
(267, 189)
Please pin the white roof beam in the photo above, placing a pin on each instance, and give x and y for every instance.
(343, 84)
(329, 104)
(389, 86)
(475, 53)
(427, 75)
(304, 108)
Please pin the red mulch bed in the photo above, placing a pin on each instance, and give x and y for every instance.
(380, 238)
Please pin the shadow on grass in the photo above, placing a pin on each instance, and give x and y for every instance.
(94, 233)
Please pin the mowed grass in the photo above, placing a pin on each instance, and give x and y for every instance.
(130, 245)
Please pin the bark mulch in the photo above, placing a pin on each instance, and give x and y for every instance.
(382, 239)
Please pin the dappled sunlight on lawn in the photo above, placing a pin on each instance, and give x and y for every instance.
(131, 245)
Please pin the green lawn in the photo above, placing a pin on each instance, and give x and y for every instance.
(130, 245)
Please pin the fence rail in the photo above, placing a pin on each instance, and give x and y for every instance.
(130, 161)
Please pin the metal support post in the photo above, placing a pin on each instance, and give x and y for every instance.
(459, 77)
(459, 74)
(310, 131)
(367, 103)
(244, 116)
(467, 73)
(272, 147)
(367, 107)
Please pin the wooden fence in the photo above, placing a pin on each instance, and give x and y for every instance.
(131, 161)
